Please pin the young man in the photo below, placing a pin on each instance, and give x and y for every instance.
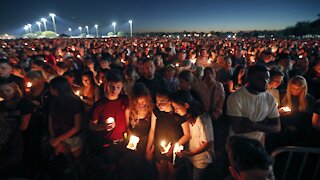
(253, 111)
(5, 74)
(248, 159)
(108, 122)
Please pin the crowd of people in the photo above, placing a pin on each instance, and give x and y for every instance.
(69, 107)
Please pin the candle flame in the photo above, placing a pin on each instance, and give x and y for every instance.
(29, 84)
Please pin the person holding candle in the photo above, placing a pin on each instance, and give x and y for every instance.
(138, 119)
(38, 127)
(296, 123)
(65, 119)
(167, 127)
(276, 78)
(89, 91)
(108, 124)
(201, 132)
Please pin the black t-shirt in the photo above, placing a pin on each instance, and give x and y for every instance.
(168, 127)
(63, 111)
(14, 114)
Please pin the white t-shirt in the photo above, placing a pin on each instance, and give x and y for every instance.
(201, 132)
(256, 107)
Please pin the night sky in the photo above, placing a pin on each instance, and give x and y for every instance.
(155, 16)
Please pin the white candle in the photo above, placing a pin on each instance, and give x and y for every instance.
(165, 147)
(110, 120)
(176, 149)
(285, 109)
(29, 84)
(177, 64)
(133, 142)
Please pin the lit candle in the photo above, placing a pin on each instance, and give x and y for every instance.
(133, 142)
(285, 109)
(110, 120)
(78, 94)
(78, 56)
(165, 148)
(177, 64)
(193, 61)
(176, 149)
(29, 84)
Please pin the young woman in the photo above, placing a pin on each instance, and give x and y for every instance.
(89, 92)
(166, 127)
(65, 118)
(201, 132)
(138, 119)
(296, 123)
(238, 79)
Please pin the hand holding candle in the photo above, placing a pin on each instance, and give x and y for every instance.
(164, 148)
(78, 94)
(285, 109)
(110, 123)
(177, 149)
(133, 142)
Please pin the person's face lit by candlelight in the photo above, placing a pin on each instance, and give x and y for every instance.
(180, 109)
(275, 81)
(142, 102)
(114, 89)
(163, 103)
(317, 67)
(7, 92)
(295, 89)
(86, 81)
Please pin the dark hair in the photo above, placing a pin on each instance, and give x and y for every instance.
(253, 70)
(163, 92)
(236, 73)
(90, 75)
(276, 72)
(62, 65)
(34, 75)
(181, 97)
(114, 76)
(246, 154)
(69, 73)
(62, 86)
(5, 61)
(187, 76)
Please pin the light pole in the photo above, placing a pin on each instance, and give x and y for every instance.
(26, 28)
(53, 21)
(114, 27)
(96, 26)
(130, 23)
(80, 28)
(70, 30)
(44, 20)
(30, 27)
(39, 25)
(87, 27)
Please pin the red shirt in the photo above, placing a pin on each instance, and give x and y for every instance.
(106, 108)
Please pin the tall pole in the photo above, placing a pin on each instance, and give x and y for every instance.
(96, 26)
(130, 23)
(70, 30)
(44, 23)
(114, 27)
(87, 27)
(53, 21)
(80, 28)
(30, 27)
(26, 28)
(39, 25)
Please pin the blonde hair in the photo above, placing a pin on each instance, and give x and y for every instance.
(302, 83)
(17, 91)
(139, 90)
